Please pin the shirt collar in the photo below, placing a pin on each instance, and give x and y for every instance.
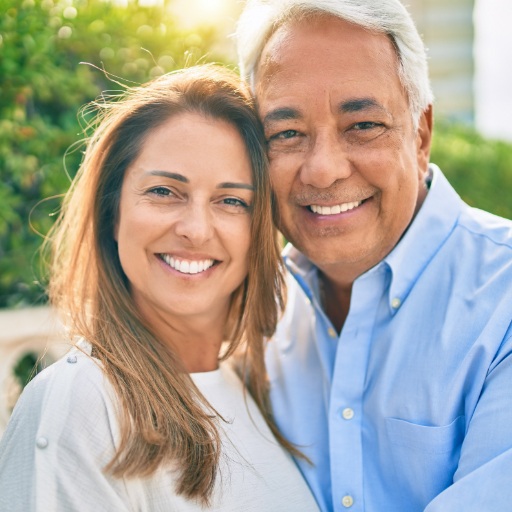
(431, 227)
(301, 268)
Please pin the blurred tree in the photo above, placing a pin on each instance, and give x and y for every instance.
(42, 87)
(479, 169)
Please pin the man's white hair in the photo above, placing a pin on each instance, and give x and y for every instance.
(261, 18)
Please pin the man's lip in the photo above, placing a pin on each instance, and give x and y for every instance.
(331, 198)
(334, 209)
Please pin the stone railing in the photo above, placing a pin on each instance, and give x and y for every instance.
(25, 332)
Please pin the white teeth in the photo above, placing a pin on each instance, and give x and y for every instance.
(187, 266)
(333, 210)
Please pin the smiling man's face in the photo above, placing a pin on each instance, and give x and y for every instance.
(347, 165)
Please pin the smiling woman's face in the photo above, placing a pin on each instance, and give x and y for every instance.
(184, 223)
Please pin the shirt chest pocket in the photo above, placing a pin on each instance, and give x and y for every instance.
(428, 440)
(424, 457)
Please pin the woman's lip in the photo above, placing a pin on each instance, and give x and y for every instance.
(189, 256)
(188, 266)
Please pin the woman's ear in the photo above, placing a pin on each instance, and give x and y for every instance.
(116, 228)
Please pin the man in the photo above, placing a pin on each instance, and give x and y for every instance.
(391, 367)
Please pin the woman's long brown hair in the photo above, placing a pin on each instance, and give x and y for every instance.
(164, 418)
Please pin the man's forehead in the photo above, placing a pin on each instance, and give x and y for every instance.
(306, 33)
(312, 44)
(273, 50)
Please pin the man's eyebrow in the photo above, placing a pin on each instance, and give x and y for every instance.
(235, 185)
(281, 114)
(346, 107)
(358, 104)
(166, 174)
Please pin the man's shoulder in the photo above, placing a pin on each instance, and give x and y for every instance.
(447, 209)
(482, 224)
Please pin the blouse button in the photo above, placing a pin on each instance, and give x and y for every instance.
(42, 442)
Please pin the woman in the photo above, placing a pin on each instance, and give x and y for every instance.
(164, 249)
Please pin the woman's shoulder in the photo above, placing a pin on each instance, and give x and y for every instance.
(69, 392)
(65, 423)
(76, 373)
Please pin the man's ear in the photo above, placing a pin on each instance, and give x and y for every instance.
(424, 139)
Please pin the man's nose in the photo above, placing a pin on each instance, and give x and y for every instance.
(195, 224)
(326, 161)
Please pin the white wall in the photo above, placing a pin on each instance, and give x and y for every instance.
(24, 331)
(448, 33)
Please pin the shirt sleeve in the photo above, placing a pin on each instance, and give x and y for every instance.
(60, 437)
(482, 480)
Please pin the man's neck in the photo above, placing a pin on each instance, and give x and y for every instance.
(335, 299)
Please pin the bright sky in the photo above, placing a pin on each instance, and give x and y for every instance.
(216, 12)
(493, 52)
(493, 60)
(195, 12)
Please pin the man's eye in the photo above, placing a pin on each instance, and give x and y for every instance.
(288, 134)
(366, 125)
(285, 134)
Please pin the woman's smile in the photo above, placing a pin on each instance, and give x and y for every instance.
(188, 266)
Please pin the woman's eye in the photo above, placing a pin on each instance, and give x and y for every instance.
(233, 201)
(160, 191)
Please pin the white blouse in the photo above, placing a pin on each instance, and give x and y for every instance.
(64, 430)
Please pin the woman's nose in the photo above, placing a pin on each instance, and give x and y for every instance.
(195, 224)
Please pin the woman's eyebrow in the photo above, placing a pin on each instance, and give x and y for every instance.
(167, 174)
(184, 179)
(235, 185)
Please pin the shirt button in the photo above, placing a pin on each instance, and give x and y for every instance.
(347, 501)
(42, 442)
(332, 333)
(396, 303)
(347, 413)
(71, 359)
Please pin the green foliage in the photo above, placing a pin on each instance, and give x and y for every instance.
(26, 368)
(42, 87)
(479, 169)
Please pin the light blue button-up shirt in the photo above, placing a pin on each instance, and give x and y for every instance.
(410, 407)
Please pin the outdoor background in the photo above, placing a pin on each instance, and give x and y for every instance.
(57, 55)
